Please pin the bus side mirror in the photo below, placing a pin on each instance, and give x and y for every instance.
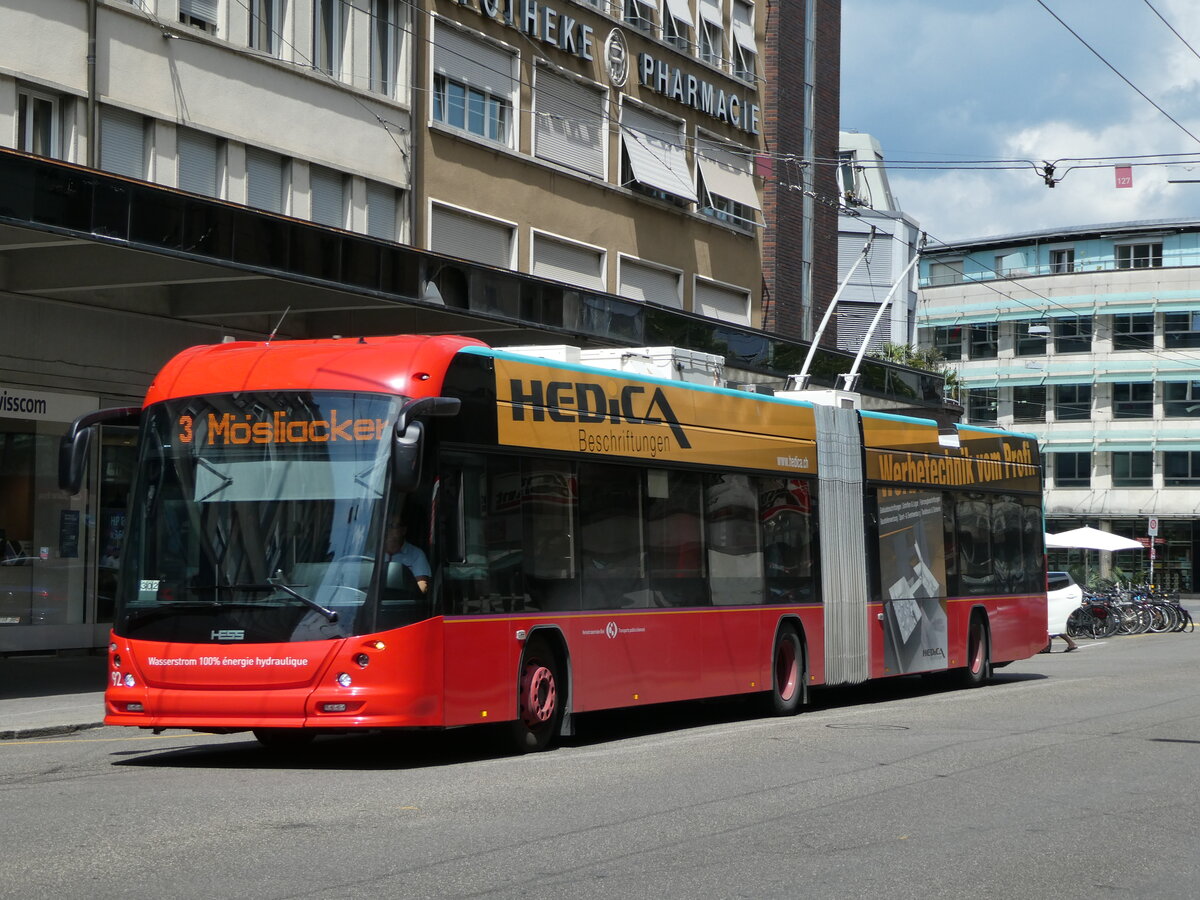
(73, 447)
(408, 439)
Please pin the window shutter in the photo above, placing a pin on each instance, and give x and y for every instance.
(569, 127)
(205, 10)
(650, 284)
(722, 303)
(853, 320)
(728, 171)
(122, 143)
(479, 64)
(654, 148)
(381, 211)
(570, 263)
(197, 162)
(264, 180)
(470, 237)
(328, 191)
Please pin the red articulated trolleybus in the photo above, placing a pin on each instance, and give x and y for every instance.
(416, 532)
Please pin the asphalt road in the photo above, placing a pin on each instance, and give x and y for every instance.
(1072, 775)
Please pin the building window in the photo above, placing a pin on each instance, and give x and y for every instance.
(385, 45)
(1181, 469)
(745, 52)
(982, 406)
(1181, 329)
(570, 127)
(1029, 403)
(727, 178)
(1062, 261)
(328, 192)
(949, 272)
(468, 236)
(1133, 400)
(650, 283)
(1073, 334)
(201, 14)
(568, 262)
(328, 28)
(265, 180)
(1133, 331)
(677, 25)
(711, 34)
(640, 14)
(1031, 338)
(725, 304)
(199, 169)
(122, 143)
(37, 124)
(1072, 469)
(1139, 256)
(473, 86)
(470, 109)
(383, 206)
(654, 162)
(1181, 399)
(1133, 468)
(948, 341)
(1073, 402)
(984, 341)
(266, 22)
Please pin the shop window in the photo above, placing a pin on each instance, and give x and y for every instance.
(1133, 400)
(1139, 256)
(1133, 468)
(1072, 469)
(1073, 402)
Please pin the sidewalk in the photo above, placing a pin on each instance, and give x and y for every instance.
(47, 695)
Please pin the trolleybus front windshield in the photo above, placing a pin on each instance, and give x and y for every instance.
(256, 517)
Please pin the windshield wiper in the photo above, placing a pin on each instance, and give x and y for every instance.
(271, 584)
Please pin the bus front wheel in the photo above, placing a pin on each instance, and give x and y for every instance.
(540, 698)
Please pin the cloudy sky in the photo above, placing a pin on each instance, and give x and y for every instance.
(941, 82)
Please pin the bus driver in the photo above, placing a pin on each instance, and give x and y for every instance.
(411, 556)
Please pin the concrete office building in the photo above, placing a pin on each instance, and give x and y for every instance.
(1088, 337)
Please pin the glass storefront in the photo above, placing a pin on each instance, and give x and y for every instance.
(1175, 550)
(55, 582)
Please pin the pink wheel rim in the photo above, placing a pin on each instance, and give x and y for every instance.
(538, 694)
(787, 669)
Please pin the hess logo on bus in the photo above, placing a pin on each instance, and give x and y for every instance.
(280, 429)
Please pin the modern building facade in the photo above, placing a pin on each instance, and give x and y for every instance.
(1089, 338)
(867, 204)
(175, 172)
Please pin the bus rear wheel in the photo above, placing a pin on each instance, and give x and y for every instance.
(787, 672)
(540, 698)
(979, 653)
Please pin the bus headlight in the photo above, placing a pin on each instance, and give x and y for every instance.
(129, 680)
(344, 680)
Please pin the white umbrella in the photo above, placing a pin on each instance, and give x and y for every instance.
(1091, 539)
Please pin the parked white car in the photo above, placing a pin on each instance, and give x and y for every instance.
(1063, 597)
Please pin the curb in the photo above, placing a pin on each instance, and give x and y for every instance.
(37, 731)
